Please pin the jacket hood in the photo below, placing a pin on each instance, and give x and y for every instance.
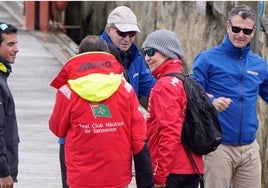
(96, 87)
(87, 63)
(94, 76)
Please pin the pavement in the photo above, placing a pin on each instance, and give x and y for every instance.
(33, 70)
(41, 56)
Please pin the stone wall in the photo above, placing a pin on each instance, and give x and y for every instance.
(196, 30)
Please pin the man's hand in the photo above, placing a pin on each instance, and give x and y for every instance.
(6, 182)
(221, 103)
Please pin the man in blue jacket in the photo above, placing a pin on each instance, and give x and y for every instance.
(120, 31)
(234, 76)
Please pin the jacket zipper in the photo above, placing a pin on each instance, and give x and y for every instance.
(241, 98)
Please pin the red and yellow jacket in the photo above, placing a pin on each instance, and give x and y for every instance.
(97, 112)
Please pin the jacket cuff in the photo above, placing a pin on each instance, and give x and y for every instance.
(4, 169)
(211, 99)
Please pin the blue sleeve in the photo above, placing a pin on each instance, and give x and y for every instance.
(146, 79)
(263, 92)
(61, 140)
(199, 70)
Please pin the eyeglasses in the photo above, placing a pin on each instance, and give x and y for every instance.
(236, 29)
(3, 26)
(150, 52)
(124, 34)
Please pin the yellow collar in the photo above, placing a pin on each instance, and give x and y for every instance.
(3, 68)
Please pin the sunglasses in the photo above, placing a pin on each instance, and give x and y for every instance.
(3, 26)
(236, 29)
(150, 52)
(124, 34)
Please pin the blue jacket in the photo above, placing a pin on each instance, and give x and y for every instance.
(139, 75)
(239, 74)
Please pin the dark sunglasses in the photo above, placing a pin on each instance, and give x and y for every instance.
(124, 34)
(3, 26)
(150, 52)
(236, 29)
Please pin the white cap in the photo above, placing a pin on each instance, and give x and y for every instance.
(124, 19)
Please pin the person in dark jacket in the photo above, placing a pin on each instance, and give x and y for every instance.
(101, 122)
(234, 76)
(9, 137)
(120, 31)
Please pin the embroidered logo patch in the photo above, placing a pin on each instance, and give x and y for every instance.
(100, 110)
(253, 73)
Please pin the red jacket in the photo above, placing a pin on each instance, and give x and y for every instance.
(97, 112)
(167, 105)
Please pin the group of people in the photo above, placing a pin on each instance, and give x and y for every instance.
(97, 113)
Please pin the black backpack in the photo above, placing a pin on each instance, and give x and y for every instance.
(201, 131)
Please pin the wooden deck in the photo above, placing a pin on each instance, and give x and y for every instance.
(38, 61)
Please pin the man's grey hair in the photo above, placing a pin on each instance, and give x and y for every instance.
(244, 11)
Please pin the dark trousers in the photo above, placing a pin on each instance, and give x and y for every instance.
(183, 181)
(62, 166)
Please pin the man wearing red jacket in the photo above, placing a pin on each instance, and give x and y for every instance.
(98, 113)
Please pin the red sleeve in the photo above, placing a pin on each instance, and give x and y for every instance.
(60, 118)
(169, 105)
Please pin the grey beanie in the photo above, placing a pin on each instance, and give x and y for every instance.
(164, 41)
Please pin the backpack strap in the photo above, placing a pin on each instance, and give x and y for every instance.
(177, 75)
(186, 147)
(188, 151)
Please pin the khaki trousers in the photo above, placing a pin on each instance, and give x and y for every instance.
(233, 166)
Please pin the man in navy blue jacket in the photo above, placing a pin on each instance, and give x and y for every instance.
(9, 137)
(234, 76)
(120, 31)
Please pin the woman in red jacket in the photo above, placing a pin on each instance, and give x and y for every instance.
(98, 113)
(167, 103)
